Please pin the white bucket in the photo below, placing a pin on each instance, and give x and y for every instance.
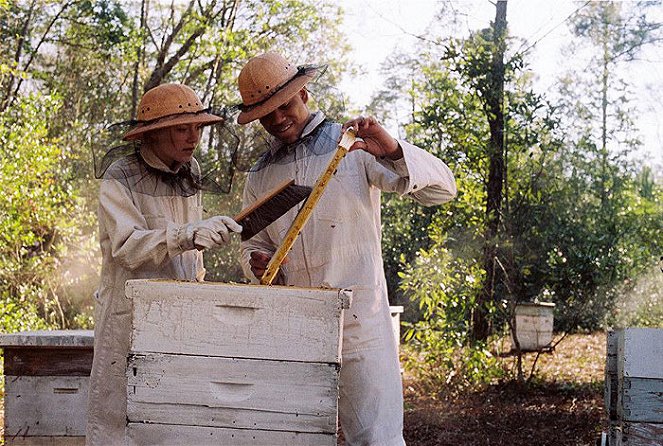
(534, 325)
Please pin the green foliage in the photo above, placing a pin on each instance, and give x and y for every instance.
(444, 287)
(18, 316)
(639, 302)
(596, 246)
(404, 233)
(579, 224)
(607, 221)
(449, 125)
(37, 230)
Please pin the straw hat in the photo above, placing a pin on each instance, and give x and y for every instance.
(168, 105)
(268, 81)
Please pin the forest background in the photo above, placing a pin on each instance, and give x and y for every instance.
(555, 201)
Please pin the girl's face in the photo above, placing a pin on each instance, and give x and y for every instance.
(175, 145)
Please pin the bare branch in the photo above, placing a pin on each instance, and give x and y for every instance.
(37, 47)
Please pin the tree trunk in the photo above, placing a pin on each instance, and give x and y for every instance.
(25, 31)
(493, 107)
(135, 91)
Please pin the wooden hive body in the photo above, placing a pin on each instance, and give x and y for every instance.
(634, 387)
(46, 386)
(215, 363)
(534, 326)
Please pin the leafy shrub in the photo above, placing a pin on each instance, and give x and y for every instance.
(19, 316)
(438, 347)
(38, 217)
(640, 303)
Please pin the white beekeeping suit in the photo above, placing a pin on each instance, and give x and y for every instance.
(150, 226)
(340, 246)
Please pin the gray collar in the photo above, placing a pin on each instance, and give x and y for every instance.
(317, 119)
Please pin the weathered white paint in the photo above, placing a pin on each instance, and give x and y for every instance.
(44, 441)
(642, 434)
(643, 400)
(240, 321)
(45, 405)
(215, 363)
(634, 387)
(396, 311)
(534, 325)
(49, 338)
(640, 353)
(236, 393)
(139, 434)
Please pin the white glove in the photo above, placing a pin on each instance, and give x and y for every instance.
(214, 232)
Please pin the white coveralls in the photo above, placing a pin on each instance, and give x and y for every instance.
(340, 247)
(143, 235)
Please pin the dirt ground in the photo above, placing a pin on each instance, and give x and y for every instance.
(564, 407)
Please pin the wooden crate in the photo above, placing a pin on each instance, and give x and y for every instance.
(634, 387)
(215, 363)
(46, 385)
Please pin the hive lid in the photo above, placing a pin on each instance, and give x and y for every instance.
(49, 338)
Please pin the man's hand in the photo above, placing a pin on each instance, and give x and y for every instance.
(376, 140)
(259, 261)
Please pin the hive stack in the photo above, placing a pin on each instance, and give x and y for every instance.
(47, 376)
(634, 387)
(215, 363)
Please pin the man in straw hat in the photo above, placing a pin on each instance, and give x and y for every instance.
(150, 226)
(340, 244)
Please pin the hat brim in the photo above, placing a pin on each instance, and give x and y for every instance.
(200, 118)
(276, 100)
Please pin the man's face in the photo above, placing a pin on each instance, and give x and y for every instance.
(287, 122)
(175, 145)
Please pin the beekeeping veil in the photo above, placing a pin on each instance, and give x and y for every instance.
(165, 106)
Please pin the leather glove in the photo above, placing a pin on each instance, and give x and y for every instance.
(214, 232)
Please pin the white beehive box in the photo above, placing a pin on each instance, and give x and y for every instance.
(396, 311)
(215, 363)
(634, 387)
(534, 326)
(47, 376)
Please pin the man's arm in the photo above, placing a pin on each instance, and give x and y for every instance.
(398, 166)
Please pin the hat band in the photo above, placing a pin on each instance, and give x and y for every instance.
(152, 121)
(303, 70)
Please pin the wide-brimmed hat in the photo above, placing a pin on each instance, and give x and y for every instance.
(168, 105)
(268, 81)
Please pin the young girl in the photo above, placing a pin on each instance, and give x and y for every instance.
(150, 226)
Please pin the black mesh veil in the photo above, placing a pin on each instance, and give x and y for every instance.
(226, 149)
(257, 148)
(212, 169)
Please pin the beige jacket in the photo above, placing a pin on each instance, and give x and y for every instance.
(143, 234)
(340, 246)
